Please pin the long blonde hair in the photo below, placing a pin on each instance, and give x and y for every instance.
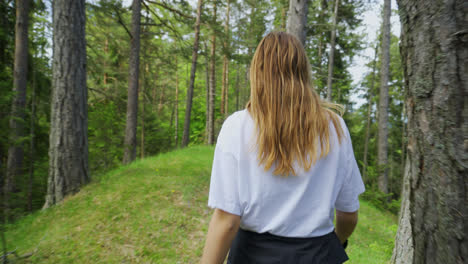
(291, 119)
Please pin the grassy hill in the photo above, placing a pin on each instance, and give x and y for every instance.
(154, 211)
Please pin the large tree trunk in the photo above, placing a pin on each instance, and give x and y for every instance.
(433, 224)
(15, 150)
(382, 147)
(188, 108)
(211, 113)
(297, 19)
(331, 55)
(225, 82)
(369, 108)
(68, 150)
(132, 98)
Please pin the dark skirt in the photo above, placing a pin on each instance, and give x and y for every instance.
(265, 248)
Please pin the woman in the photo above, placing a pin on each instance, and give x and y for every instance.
(281, 168)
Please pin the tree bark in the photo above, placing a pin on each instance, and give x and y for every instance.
(207, 94)
(211, 112)
(68, 150)
(237, 87)
(132, 98)
(331, 56)
(176, 136)
(369, 108)
(382, 151)
(32, 145)
(225, 82)
(433, 224)
(188, 108)
(18, 106)
(297, 19)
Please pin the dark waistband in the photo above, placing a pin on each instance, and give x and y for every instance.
(270, 236)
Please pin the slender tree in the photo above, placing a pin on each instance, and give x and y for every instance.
(369, 108)
(188, 108)
(176, 104)
(211, 113)
(331, 55)
(225, 82)
(433, 218)
(15, 150)
(383, 101)
(297, 19)
(68, 150)
(132, 99)
(32, 144)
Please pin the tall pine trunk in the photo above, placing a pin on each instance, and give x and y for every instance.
(297, 19)
(433, 220)
(188, 108)
(32, 145)
(382, 151)
(331, 55)
(211, 112)
(68, 143)
(225, 83)
(132, 98)
(18, 106)
(176, 103)
(369, 108)
(237, 87)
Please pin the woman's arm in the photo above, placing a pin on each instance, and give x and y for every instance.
(222, 230)
(345, 224)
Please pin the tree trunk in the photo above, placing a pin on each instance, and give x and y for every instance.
(297, 19)
(32, 141)
(68, 151)
(176, 136)
(211, 113)
(144, 87)
(433, 225)
(382, 152)
(207, 95)
(106, 51)
(132, 99)
(18, 106)
(237, 87)
(369, 108)
(331, 56)
(188, 109)
(319, 76)
(153, 92)
(225, 82)
(161, 99)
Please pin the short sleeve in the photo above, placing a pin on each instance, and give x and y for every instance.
(224, 192)
(352, 187)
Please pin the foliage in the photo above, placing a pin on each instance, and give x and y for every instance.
(381, 200)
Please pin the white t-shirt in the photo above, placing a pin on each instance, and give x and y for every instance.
(294, 206)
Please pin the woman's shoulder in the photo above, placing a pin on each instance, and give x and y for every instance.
(228, 136)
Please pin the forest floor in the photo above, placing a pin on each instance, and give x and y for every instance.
(154, 211)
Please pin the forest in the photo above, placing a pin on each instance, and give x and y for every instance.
(89, 86)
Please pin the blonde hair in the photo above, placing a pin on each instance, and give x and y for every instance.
(291, 119)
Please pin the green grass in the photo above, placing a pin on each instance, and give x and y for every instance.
(154, 211)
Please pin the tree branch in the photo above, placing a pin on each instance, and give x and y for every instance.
(163, 22)
(164, 5)
(122, 23)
